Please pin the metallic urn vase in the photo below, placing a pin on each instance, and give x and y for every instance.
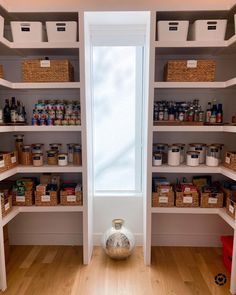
(118, 242)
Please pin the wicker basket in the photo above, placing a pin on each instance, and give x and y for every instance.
(187, 199)
(231, 207)
(190, 71)
(58, 71)
(8, 160)
(26, 200)
(166, 200)
(230, 160)
(6, 204)
(46, 200)
(1, 72)
(66, 199)
(211, 200)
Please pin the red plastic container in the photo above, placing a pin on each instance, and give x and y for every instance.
(227, 251)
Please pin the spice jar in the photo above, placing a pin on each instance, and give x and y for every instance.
(161, 148)
(55, 147)
(19, 141)
(193, 158)
(173, 155)
(62, 159)
(77, 155)
(26, 155)
(38, 159)
(212, 157)
(157, 159)
(182, 152)
(201, 148)
(37, 148)
(52, 157)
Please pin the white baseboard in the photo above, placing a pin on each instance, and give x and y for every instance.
(186, 240)
(98, 236)
(65, 239)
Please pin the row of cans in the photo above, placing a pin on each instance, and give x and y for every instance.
(55, 122)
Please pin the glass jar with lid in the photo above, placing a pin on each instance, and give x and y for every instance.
(37, 159)
(201, 148)
(37, 148)
(213, 155)
(55, 147)
(19, 142)
(173, 155)
(193, 158)
(182, 151)
(52, 157)
(26, 155)
(161, 148)
(157, 159)
(77, 155)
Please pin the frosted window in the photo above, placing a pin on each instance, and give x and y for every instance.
(117, 77)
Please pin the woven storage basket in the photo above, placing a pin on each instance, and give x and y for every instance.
(187, 199)
(181, 71)
(46, 200)
(166, 200)
(210, 200)
(26, 200)
(6, 204)
(8, 160)
(66, 199)
(230, 160)
(231, 206)
(1, 72)
(59, 71)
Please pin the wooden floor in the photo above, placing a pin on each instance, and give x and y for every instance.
(57, 270)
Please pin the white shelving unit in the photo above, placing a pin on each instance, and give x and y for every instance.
(159, 52)
(76, 50)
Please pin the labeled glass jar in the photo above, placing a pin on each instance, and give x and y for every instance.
(26, 155)
(37, 159)
(62, 159)
(55, 147)
(77, 155)
(52, 157)
(173, 155)
(70, 152)
(19, 142)
(157, 159)
(161, 148)
(201, 148)
(182, 151)
(213, 154)
(193, 158)
(37, 148)
(221, 147)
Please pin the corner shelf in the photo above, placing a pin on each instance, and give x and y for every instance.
(185, 169)
(26, 128)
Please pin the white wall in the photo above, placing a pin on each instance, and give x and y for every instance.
(52, 5)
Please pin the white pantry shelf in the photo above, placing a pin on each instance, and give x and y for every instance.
(38, 48)
(185, 128)
(39, 209)
(196, 85)
(46, 128)
(49, 85)
(186, 169)
(49, 169)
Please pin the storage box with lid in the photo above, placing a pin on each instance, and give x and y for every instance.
(208, 30)
(190, 71)
(47, 71)
(173, 30)
(61, 31)
(24, 31)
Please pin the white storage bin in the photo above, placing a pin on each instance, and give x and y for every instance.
(62, 31)
(173, 30)
(1, 26)
(27, 31)
(208, 30)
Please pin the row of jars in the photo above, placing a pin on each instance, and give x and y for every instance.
(197, 153)
(33, 154)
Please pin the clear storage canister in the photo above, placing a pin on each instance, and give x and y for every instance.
(173, 155)
(19, 142)
(62, 159)
(26, 155)
(37, 159)
(182, 151)
(213, 154)
(52, 157)
(221, 146)
(157, 159)
(37, 148)
(193, 159)
(161, 148)
(77, 155)
(201, 148)
(70, 152)
(55, 147)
